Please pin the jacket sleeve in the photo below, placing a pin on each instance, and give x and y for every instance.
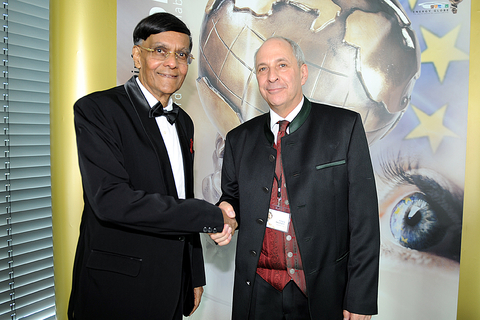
(108, 186)
(229, 183)
(362, 287)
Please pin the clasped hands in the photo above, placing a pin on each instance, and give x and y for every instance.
(223, 238)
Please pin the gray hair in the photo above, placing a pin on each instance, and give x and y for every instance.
(297, 51)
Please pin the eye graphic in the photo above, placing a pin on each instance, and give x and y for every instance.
(414, 224)
(422, 209)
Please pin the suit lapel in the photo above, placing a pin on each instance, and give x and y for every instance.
(150, 126)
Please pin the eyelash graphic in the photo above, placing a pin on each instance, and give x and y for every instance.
(426, 208)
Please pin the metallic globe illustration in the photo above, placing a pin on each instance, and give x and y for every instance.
(361, 55)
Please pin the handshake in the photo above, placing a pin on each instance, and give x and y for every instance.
(223, 238)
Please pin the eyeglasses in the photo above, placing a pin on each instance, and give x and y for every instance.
(161, 54)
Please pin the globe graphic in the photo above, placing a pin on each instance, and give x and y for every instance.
(361, 55)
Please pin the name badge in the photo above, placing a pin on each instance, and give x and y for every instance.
(278, 220)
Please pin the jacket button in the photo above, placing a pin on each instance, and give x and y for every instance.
(205, 229)
(214, 230)
(209, 229)
(253, 253)
(271, 158)
(260, 221)
(181, 238)
(265, 189)
(247, 282)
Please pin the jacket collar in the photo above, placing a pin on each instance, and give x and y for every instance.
(136, 96)
(294, 125)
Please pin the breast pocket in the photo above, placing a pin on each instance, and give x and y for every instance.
(330, 164)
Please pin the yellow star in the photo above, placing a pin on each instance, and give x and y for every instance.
(412, 3)
(404, 240)
(441, 50)
(431, 127)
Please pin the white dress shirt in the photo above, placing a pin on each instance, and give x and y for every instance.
(170, 138)
(274, 118)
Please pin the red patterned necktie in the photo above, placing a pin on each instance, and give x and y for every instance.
(282, 131)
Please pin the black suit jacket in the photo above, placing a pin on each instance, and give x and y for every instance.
(139, 253)
(333, 203)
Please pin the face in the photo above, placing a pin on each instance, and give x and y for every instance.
(161, 78)
(279, 77)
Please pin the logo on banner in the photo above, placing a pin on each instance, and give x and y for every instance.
(436, 7)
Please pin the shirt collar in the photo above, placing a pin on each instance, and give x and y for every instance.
(152, 100)
(274, 117)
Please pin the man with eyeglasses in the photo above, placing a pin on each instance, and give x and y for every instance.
(139, 254)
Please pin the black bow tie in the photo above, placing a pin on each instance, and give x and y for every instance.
(157, 111)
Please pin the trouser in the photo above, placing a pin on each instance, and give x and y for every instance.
(270, 304)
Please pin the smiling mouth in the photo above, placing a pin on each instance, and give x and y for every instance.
(273, 90)
(172, 76)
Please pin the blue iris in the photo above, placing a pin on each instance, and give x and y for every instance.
(414, 224)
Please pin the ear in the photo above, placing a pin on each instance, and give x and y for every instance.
(304, 72)
(136, 57)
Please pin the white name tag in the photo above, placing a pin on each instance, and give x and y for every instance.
(278, 220)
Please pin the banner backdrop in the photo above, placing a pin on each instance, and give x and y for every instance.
(403, 65)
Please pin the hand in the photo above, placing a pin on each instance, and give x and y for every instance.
(353, 316)
(229, 216)
(223, 238)
(197, 293)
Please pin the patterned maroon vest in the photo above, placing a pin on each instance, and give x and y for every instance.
(280, 259)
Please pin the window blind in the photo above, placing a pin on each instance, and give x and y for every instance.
(26, 251)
